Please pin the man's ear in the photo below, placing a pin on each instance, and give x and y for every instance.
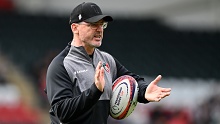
(74, 27)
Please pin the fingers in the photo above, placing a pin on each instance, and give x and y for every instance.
(98, 69)
(166, 89)
(99, 77)
(157, 99)
(166, 92)
(157, 79)
(163, 95)
(102, 71)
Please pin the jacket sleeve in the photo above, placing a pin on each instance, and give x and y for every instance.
(121, 70)
(64, 103)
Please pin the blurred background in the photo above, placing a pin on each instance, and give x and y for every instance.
(179, 39)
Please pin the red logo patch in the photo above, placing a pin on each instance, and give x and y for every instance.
(106, 67)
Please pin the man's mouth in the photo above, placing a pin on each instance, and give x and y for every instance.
(97, 36)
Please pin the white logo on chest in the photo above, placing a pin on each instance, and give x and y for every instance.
(80, 71)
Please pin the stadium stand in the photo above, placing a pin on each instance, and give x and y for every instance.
(152, 47)
(146, 47)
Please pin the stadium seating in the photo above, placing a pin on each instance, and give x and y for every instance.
(146, 47)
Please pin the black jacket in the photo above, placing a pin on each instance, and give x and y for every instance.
(71, 91)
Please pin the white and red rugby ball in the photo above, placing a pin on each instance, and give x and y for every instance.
(124, 97)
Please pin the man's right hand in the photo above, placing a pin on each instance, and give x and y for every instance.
(99, 77)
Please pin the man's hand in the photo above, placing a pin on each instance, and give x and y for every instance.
(99, 77)
(155, 93)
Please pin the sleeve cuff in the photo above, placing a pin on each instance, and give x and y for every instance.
(141, 93)
(95, 92)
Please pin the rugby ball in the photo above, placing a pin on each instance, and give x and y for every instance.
(124, 97)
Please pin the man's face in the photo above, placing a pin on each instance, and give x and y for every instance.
(91, 34)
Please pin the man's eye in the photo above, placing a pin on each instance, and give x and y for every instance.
(94, 25)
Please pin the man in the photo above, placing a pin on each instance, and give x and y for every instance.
(79, 79)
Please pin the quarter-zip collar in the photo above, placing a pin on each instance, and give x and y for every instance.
(80, 53)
